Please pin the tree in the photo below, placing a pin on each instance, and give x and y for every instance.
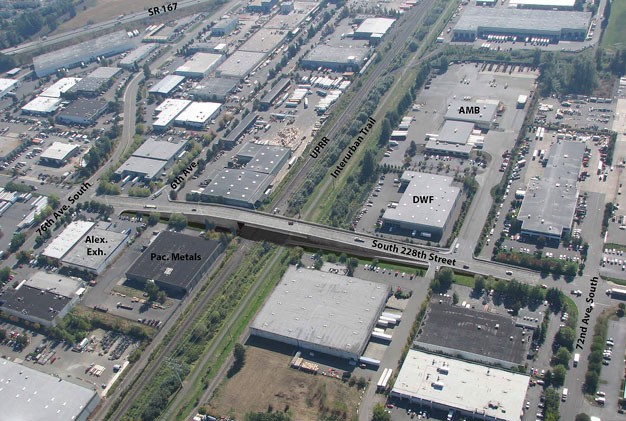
(368, 167)
(558, 375)
(562, 357)
(5, 272)
(146, 71)
(16, 242)
(178, 221)
(582, 417)
(444, 279)
(152, 290)
(380, 414)
(566, 337)
(353, 263)
(455, 298)
(621, 310)
(555, 298)
(239, 355)
(541, 242)
(591, 382)
(154, 218)
(479, 286)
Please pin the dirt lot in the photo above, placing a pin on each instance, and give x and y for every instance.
(101, 11)
(266, 379)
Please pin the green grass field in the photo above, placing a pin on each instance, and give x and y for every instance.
(615, 35)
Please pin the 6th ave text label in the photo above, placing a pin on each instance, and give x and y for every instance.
(170, 7)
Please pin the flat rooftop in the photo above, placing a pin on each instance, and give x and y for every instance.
(168, 110)
(456, 111)
(60, 86)
(8, 143)
(166, 85)
(179, 273)
(66, 240)
(456, 328)
(240, 63)
(323, 308)
(34, 302)
(138, 54)
(542, 3)
(146, 167)
(28, 394)
(550, 202)
(240, 185)
(84, 108)
(198, 112)
(339, 55)
(163, 150)
(264, 41)
(42, 104)
(433, 214)
(213, 87)
(375, 26)
(79, 255)
(53, 282)
(199, 63)
(6, 84)
(455, 132)
(262, 158)
(525, 20)
(58, 151)
(458, 384)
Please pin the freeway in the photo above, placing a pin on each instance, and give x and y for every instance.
(94, 29)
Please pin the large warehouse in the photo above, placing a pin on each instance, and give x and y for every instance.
(175, 262)
(62, 244)
(322, 312)
(466, 111)
(167, 85)
(543, 4)
(6, 85)
(456, 138)
(96, 250)
(373, 27)
(149, 160)
(550, 202)
(340, 59)
(58, 154)
(84, 112)
(479, 22)
(239, 64)
(235, 187)
(28, 394)
(262, 158)
(476, 335)
(475, 391)
(197, 115)
(74, 55)
(213, 89)
(167, 111)
(199, 65)
(425, 208)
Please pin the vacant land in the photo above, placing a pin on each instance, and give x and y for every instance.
(615, 35)
(101, 11)
(266, 380)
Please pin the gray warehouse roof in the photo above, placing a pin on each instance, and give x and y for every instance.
(213, 88)
(104, 45)
(549, 203)
(166, 85)
(475, 18)
(432, 214)
(238, 185)
(340, 55)
(146, 167)
(375, 26)
(262, 158)
(34, 302)
(472, 388)
(79, 255)
(28, 394)
(455, 131)
(84, 108)
(326, 309)
(159, 149)
(239, 64)
(138, 54)
(484, 117)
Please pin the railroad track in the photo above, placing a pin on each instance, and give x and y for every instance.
(142, 378)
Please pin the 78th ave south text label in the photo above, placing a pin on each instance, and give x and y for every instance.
(170, 7)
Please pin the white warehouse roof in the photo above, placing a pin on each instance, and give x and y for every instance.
(455, 384)
(60, 86)
(198, 113)
(58, 151)
(375, 26)
(542, 3)
(66, 240)
(168, 110)
(42, 105)
(199, 64)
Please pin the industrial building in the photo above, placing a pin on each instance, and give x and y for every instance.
(58, 154)
(213, 89)
(83, 112)
(262, 158)
(425, 208)
(95, 82)
(373, 27)
(41, 106)
(64, 242)
(456, 138)
(28, 394)
(476, 22)
(9, 142)
(550, 202)
(224, 27)
(543, 4)
(233, 137)
(199, 65)
(167, 111)
(43, 300)
(261, 6)
(6, 85)
(235, 187)
(270, 97)
(159, 33)
(265, 40)
(208, 47)
(473, 390)
(131, 61)
(167, 85)
(322, 312)
(197, 115)
(484, 337)
(240, 64)
(59, 87)
(84, 52)
(481, 114)
(175, 262)
(96, 250)
(338, 58)
(150, 159)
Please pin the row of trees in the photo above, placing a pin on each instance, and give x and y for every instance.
(592, 377)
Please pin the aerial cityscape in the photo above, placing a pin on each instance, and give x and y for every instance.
(313, 210)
